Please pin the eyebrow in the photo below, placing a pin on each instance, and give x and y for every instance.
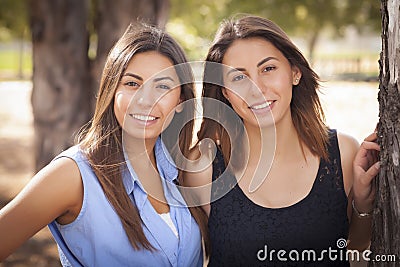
(265, 60)
(155, 79)
(133, 75)
(258, 65)
(235, 69)
(163, 78)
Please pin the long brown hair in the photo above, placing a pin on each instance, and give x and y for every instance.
(306, 110)
(101, 141)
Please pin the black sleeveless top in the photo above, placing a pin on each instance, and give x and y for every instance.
(311, 232)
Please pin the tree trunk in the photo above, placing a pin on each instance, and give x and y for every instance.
(64, 80)
(60, 94)
(311, 45)
(386, 222)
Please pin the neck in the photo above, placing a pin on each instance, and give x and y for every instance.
(278, 142)
(270, 146)
(288, 143)
(140, 152)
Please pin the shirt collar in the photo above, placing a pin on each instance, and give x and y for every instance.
(165, 164)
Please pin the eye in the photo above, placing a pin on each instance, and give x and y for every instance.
(238, 77)
(132, 84)
(269, 68)
(163, 86)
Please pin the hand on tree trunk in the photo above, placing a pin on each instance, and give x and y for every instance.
(366, 167)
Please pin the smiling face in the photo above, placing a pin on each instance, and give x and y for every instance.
(147, 95)
(258, 82)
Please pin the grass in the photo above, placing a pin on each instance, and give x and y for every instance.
(10, 64)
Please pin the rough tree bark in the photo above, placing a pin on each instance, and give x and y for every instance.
(65, 80)
(386, 223)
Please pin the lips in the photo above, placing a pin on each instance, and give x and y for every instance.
(143, 118)
(264, 105)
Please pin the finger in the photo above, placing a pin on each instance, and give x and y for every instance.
(372, 137)
(370, 159)
(375, 154)
(372, 156)
(372, 172)
(368, 145)
(365, 148)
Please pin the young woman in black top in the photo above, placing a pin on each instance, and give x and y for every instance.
(284, 190)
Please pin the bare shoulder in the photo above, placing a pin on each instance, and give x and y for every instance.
(198, 176)
(348, 145)
(198, 169)
(62, 167)
(194, 153)
(60, 180)
(64, 171)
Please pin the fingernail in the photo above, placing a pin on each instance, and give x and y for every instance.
(377, 165)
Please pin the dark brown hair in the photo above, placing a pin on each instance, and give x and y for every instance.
(102, 140)
(307, 114)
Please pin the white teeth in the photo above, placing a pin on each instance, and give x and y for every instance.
(264, 105)
(143, 117)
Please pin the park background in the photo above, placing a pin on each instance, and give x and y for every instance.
(345, 54)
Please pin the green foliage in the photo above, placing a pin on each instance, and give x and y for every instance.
(194, 22)
(13, 19)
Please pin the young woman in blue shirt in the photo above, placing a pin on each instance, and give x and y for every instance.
(112, 199)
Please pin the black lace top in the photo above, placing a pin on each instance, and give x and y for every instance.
(312, 232)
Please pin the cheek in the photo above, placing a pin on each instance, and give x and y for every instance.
(169, 101)
(167, 105)
(121, 103)
(171, 98)
(235, 99)
(238, 104)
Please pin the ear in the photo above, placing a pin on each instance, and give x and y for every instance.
(296, 75)
(179, 107)
(225, 93)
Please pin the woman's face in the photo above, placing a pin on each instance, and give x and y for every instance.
(258, 82)
(147, 95)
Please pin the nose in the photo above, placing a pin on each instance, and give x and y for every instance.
(258, 86)
(145, 97)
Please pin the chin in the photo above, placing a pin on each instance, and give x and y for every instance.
(141, 134)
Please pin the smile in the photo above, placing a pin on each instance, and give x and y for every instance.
(263, 105)
(143, 117)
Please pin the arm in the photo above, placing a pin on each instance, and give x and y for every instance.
(54, 192)
(358, 189)
(365, 168)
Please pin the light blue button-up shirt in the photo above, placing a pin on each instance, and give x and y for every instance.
(97, 237)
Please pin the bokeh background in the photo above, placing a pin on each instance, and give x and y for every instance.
(340, 38)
